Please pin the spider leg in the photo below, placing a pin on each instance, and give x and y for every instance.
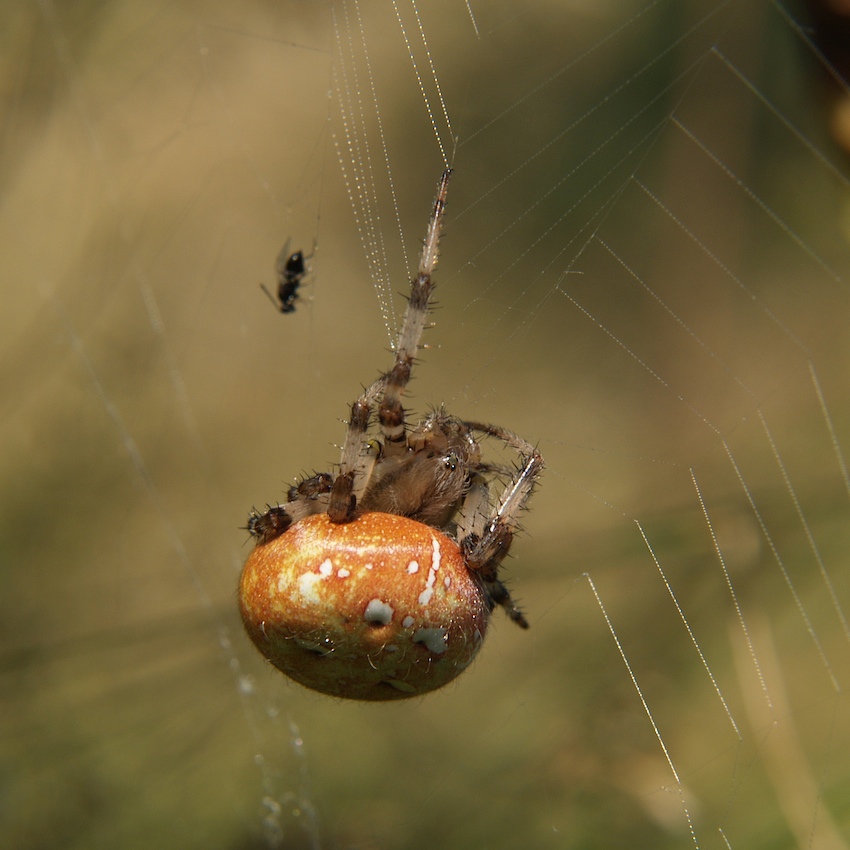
(353, 460)
(489, 542)
(391, 412)
(474, 508)
(499, 594)
(522, 482)
(306, 498)
(473, 515)
(390, 386)
(265, 527)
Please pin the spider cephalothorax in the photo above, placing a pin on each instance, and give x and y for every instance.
(377, 582)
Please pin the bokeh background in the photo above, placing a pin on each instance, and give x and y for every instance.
(645, 271)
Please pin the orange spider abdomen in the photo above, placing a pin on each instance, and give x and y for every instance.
(379, 608)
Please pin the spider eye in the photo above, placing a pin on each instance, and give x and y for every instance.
(451, 461)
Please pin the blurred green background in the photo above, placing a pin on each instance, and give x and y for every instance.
(645, 270)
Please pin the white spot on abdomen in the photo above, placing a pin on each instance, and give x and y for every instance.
(308, 581)
(425, 596)
(378, 612)
(434, 639)
(307, 587)
(435, 553)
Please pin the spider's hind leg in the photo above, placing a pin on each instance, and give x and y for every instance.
(496, 544)
(308, 497)
(265, 527)
(500, 596)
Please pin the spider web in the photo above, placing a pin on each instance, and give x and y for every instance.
(645, 270)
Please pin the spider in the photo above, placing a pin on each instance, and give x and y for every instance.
(291, 270)
(377, 582)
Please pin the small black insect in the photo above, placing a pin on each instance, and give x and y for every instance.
(291, 270)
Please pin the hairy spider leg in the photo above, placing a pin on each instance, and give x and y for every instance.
(486, 544)
(513, 498)
(391, 412)
(304, 499)
(354, 464)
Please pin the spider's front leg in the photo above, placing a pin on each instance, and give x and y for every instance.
(391, 414)
(354, 461)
